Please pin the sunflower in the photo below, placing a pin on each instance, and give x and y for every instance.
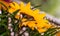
(39, 22)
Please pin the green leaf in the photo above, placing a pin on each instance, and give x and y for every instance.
(33, 32)
(5, 34)
(4, 12)
(50, 31)
(15, 12)
(13, 15)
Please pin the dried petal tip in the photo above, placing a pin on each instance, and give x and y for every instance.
(8, 0)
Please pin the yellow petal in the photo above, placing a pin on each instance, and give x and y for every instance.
(36, 11)
(21, 5)
(17, 16)
(16, 5)
(25, 23)
(41, 30)
(27, 11)
(32, 25)
(48, 25)
(28, 5)
(11, 5)
(24, 19)
(11, 10)
(40, 25)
